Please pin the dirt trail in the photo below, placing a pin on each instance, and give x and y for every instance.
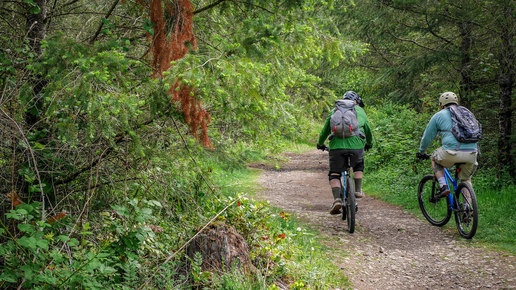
(391, 248)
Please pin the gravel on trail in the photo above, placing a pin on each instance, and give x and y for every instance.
(391, 248)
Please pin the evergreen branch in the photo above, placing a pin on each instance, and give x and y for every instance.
(255, 5)
(118, 139)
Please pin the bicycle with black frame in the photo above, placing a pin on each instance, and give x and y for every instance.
(461, 201)
(349, 206)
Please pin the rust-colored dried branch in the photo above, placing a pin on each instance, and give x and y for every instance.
(167, 48)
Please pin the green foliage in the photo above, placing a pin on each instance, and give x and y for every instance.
(41, 254)
(90, 92)
(397, 131)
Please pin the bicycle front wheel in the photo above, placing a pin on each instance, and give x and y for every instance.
(466, 211)
(436, 211)
(350, 205)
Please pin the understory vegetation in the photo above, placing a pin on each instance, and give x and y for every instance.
(126, 127)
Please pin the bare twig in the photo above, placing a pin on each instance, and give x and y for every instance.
(208, 7)
(92, 40)
(411, 41)
(43, 217)
(190, 153)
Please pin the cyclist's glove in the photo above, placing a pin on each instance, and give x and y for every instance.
(422, 156)
(322, 147)
(367, 147)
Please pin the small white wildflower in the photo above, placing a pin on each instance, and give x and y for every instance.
(298, 229)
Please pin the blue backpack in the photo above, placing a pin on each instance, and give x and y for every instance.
(465, 128)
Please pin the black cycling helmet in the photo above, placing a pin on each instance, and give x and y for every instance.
(351, 95)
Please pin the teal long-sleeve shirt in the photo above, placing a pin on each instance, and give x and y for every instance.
(441, 123)
(354, 142)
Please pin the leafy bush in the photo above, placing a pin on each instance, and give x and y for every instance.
(54, 253)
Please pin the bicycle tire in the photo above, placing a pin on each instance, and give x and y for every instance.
(436, 212)
(466, 217)
(350, 205)
(344, 212)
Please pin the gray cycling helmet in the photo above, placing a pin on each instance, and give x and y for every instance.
(448, 98)
(351, 95)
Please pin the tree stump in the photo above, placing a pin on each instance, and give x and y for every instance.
(221, 248)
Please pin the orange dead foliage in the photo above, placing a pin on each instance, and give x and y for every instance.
(166, 49)
(15, 199)
(57, 217)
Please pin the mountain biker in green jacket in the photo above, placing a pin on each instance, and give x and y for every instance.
(451, 151)
(340, 146)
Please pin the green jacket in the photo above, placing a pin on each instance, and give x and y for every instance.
(354, 142)
(441, 123)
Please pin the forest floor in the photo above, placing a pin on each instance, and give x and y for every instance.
(390, 248)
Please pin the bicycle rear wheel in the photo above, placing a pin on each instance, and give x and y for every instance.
(436, 211)
(466, 212)
(350, 204)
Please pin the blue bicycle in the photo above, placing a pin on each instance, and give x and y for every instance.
(462, 201)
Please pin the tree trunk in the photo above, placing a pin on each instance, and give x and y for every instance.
(36, 26)
(36, 31)
(506, 82)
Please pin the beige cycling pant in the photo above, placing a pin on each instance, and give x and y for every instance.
(447, 158)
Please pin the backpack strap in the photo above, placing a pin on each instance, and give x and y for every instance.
(457, 148)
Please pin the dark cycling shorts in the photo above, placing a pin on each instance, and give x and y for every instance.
(338, 162)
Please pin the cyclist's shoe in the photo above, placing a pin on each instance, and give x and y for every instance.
(335, 208)
(359, 194)
(442, 192)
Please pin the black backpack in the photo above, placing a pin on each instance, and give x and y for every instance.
(465, 128)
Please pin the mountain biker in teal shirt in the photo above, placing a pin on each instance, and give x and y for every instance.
(354, 145)
(451, 151)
